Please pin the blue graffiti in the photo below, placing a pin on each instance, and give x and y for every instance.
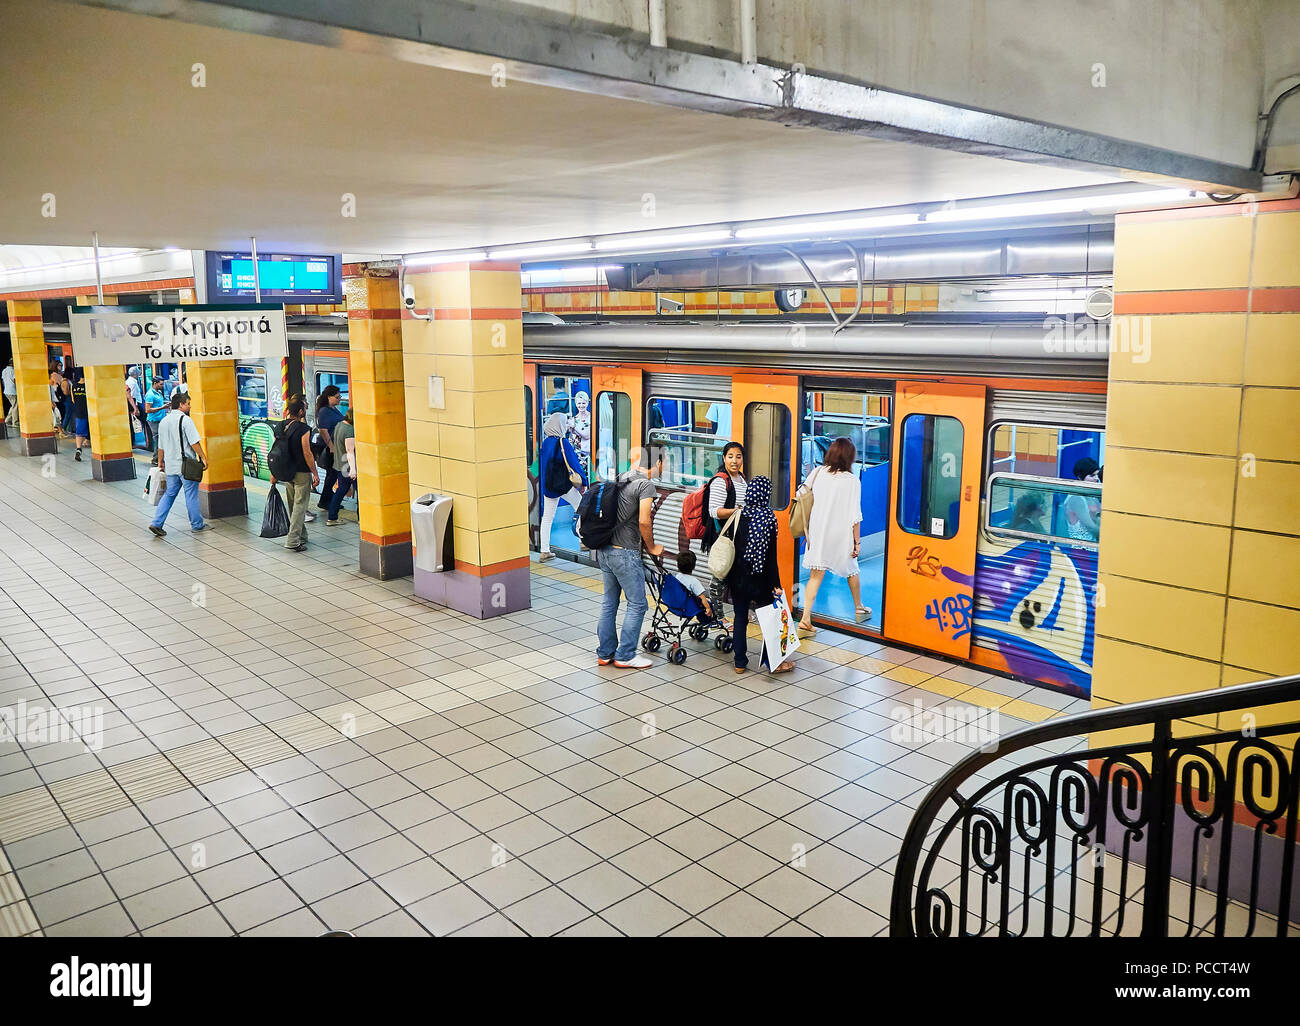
(952, 613)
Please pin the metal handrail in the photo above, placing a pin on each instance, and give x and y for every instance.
(1157, 787)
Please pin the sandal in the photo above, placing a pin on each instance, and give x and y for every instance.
(785, 667)
(806, 631)
(862, 614)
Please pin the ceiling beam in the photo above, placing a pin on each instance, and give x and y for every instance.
(524, 45)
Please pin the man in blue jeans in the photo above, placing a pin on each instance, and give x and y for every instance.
(621, 565)
(178, 437)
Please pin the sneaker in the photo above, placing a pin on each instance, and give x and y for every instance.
(331, 523)
(158, 531)
(78, 456)
(635, 663)
(296, 548)
(201, 527)
(309, 518)
(603, 662)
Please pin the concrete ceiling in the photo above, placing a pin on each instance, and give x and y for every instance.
(99, 110)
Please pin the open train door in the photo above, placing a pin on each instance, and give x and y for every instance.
(930, 567)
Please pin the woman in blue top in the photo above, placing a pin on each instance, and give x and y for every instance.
(555, 462)
(327, 415)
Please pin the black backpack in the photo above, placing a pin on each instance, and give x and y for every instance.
(280, 459)
(598, 515)
(557, 472)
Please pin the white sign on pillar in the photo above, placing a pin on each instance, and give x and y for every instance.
(151, 334)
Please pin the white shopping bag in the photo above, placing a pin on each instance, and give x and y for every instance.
(779, 634)
(157, 485)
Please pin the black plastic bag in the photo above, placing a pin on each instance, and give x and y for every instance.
(275, 521)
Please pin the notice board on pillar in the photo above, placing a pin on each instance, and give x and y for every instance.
(152, 334)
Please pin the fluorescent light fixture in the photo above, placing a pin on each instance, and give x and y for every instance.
(552, 249)
(794, 229)
(446, 258)
(1029, 295)
(105, 257)
(638, 242)
(1065, 205)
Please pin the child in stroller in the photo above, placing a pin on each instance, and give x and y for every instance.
(680, 608)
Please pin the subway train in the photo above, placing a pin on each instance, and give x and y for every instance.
(978, 541)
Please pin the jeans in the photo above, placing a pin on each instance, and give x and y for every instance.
(327, 489)
(549, 506)
(68, 417)
(295, 498)
(624, 575)
(336, 500)
(174, 484)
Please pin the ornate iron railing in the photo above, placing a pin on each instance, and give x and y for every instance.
(1177, 831)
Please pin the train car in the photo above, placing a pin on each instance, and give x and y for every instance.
(978, 541)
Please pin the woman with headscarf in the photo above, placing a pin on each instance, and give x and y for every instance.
(556, 462)
(754, 579)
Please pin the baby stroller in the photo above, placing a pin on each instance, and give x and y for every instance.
(677, 612)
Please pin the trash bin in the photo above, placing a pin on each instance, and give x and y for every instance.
(431, 532)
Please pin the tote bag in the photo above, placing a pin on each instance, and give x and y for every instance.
(723, 553)
(778, 627)
(801, 514)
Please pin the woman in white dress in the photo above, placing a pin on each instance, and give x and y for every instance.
(832, 541)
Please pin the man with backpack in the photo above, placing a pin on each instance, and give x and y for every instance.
(614, 520)
(290, 461)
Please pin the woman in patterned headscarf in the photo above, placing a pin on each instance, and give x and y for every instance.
(754, 579)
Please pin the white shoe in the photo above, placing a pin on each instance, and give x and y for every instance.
(309, 518)
(636, 663)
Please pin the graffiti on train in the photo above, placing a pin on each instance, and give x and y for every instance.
(1035, 606)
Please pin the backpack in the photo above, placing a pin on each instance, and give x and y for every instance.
(598, 515)
(695, 507)
(280, 460)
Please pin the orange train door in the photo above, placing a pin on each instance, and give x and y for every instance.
(930, 568)
(618, 397)
(763, 407)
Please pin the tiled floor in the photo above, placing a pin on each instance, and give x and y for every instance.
(290, 747)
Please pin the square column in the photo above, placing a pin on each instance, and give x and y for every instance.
(465, 430)
(32, 375)
(214, 407)
(111, 443)
(378, 402)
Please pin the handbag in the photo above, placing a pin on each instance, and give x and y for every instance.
(801, 513)
(780, 639)
(575, 479)
(723, 553)
(191, 469)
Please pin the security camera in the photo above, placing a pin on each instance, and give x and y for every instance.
(667, 305)
(408, 296)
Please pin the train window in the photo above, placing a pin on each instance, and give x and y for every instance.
(767, 448)
(1019, 506)
(250, 388)
(326, 378)
(613, 434)
(528, 421)
(929, 494)
(862, 417)
(1041, 450)
(571, 395)
(691, 435)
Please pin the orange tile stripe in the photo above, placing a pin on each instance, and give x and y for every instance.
(1234, 209)
(73, 291)
(485, 313)
(113, 455)
(38, 434)
(377, 314)
(385, 539)
(492, 568)
(221, 486)
(1243, 300)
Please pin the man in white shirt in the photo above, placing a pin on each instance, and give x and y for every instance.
(178, 437)
(10, 395)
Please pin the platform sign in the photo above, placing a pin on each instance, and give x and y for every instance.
(169, 334)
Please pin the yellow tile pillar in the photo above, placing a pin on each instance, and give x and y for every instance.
(214, 405)
(32, 375)
(378, 403)
(465, 430)
(111, 443)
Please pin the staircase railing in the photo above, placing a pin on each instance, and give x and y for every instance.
(1179, 820)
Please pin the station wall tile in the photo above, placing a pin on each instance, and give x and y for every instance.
(1272, 355)
(1162, 616)
(1174, 418)
(1270, 500)
(1209, 253)
(1270, 423)
(1169, 484)
(1266, 568)
(1262, 637)
(1125, 672)
(1182, 348)
(1277, 250)
(1155, 549)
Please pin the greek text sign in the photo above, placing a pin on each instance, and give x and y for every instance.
(150, 334)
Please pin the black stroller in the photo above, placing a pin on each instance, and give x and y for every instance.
(677, 612)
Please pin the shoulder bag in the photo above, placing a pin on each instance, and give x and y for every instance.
(575, 478)
(801, 514)
(191, 469)
(723, 552)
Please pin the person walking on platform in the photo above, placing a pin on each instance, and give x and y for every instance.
(345, 464)
(754, 578)
(305, 478)
(135, 403)
(620, 562)
(178, 439)
(327, 416)
(557, 461)
(833, 543)
(155, 409)
(10, 395)
(80, 415)
(57, 397)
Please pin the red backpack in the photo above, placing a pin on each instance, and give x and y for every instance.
(695, 509)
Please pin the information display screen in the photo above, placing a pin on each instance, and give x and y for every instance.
(284, 277)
